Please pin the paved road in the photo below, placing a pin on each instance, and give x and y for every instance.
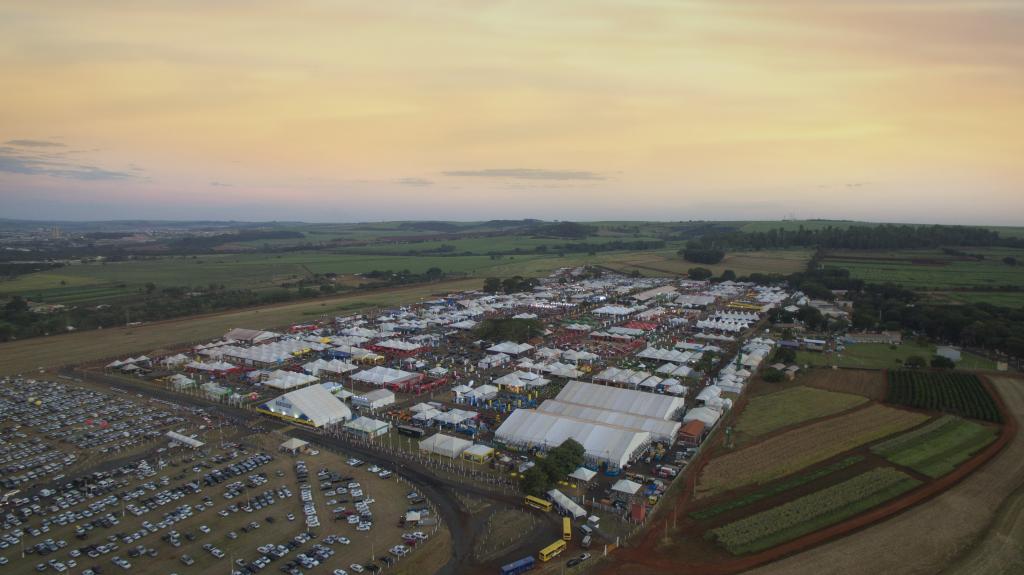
(438, 489)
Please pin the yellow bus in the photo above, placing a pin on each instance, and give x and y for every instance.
(566, 529)
(537, 503)
(551, 551)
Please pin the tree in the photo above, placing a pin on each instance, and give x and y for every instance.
(492, 285)
(15, 306)
(772, 375)
(941, 362)
(434, 274)
(728, 275)
(1010, 261)
(785, 355)
(914, 362)
(699, 273)
(535, 481)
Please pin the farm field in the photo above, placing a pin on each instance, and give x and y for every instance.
(768, 412)
(870, 384)
(884, 356)
(957, 393)
(938, 273)
(788, 484)
(72, 348)
(96, 282)
(668, 262)
(937, 448)
(972, 544)
(814, 511)
(794, 450)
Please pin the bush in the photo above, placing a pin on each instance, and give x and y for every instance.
(941, 362)
(772, 375)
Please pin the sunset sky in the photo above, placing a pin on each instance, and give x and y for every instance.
(884, 110)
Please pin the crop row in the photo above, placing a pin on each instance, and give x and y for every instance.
(900, 441)
(813, 512)
(777, 488)
(794, 450)
(940, 451)
(952, 392)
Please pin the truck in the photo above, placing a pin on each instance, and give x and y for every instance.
(521, 566)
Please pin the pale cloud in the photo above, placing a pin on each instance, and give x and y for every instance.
(585, 104)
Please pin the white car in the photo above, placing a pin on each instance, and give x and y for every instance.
(340, 572)
(356, 567)
(343, 540)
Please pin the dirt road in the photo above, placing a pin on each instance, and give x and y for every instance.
(928, 538)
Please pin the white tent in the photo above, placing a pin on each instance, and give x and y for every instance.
(706, 415)
(313, 404)
(445, 445)
(566, 505)
(583, 474)
(626, 486)
(621, 400)
(660, 429)
(381, 375)
(601, 443)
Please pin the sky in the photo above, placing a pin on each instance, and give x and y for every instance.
(879, 110)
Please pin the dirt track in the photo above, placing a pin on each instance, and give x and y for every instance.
(927, 538)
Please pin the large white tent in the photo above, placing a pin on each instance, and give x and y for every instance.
(660, 429)
(445, 445)
(381, 375)
(313, 404)
(601, 443)
(622, 400)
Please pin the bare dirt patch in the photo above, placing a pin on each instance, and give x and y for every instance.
(869, 383)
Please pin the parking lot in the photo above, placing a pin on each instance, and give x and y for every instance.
(241, 503)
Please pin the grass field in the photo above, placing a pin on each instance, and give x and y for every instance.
(25, 355)
(794, 450)
(942, 275)
(884, 356)
(766, 413)
(937, 448)
(668, 262)
(814, 511)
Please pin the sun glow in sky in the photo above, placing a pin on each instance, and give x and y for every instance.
(886, 110)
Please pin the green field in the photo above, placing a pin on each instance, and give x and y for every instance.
(937, 448)
(940, 276)
(884, 356)
(813, 512)
(782, 486)
(766, 413)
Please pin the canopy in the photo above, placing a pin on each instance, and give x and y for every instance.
(445, 445)
(626, 486)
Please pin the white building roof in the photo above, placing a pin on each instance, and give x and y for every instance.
(313, 403)
(602, 443)
(622, 400)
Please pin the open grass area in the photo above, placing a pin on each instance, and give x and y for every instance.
(766, 413)
(796, 449)
(884, 356)
(814, 511)
(939, 447)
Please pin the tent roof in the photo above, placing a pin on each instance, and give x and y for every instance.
(626, 486)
